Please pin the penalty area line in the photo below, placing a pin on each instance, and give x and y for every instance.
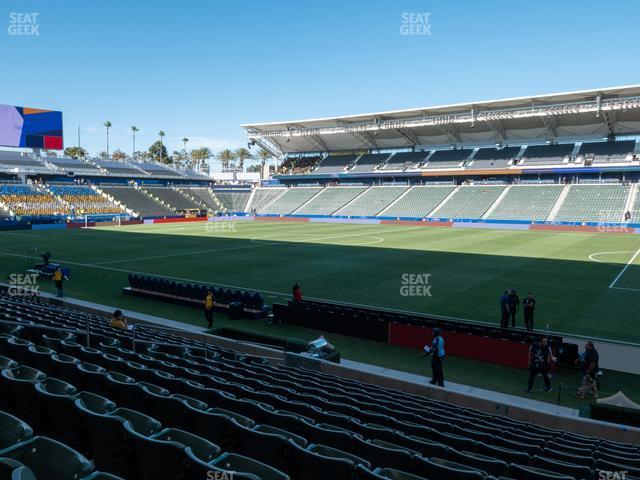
(624, 269)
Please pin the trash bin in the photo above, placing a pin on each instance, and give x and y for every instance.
(236, 310)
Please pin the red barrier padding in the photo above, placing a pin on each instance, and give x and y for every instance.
(492, 350)
(81, 225)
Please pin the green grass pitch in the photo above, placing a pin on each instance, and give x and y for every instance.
(569, 273)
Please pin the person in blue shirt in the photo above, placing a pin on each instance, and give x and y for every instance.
(504, 309)
(436, 350)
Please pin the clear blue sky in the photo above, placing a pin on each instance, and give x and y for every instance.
(201, 68)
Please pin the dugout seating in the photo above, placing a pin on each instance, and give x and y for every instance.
(373, 324)
(193, 294)
(180, 415)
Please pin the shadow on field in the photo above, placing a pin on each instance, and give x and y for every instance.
(572, 296)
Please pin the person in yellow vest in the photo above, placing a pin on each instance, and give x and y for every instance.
(208, 308)
(58, 280)
(118, 321)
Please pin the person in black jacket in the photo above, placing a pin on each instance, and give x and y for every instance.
(540, 357)
(514, 304)
(528, 307)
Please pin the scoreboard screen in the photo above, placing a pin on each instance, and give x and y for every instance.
(30, 128)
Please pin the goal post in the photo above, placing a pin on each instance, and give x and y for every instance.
(91, 219)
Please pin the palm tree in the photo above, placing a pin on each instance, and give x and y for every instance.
(161, 134)
(226, 156)
(108, 125)
(184, 143)
(263, 155)
(242, 154)
(134, 130)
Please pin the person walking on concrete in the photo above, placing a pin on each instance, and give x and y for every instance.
(539, 362)
(528, 307)
(589, 367)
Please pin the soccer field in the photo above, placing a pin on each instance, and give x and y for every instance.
(584, 283)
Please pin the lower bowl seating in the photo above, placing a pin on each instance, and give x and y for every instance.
(174, 413)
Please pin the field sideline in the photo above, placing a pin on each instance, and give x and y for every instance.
(586, 284)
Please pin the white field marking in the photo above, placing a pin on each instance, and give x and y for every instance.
(121, 270)
(288, 295)
(259, 243)
(180, 254)
(626, 288)
(591, 257)
(265, 238)
(624, 269)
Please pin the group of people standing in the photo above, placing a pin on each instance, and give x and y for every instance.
(509, 306)
(540, 360)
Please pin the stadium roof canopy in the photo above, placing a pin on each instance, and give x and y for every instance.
(583, 114)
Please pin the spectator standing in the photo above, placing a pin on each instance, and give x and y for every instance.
(436, 350)
(504, 309)
(514, 305)
(539, 362)
(58, 280)
(528, 307)
(208, 308)
(297, 293)
(589, 367)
